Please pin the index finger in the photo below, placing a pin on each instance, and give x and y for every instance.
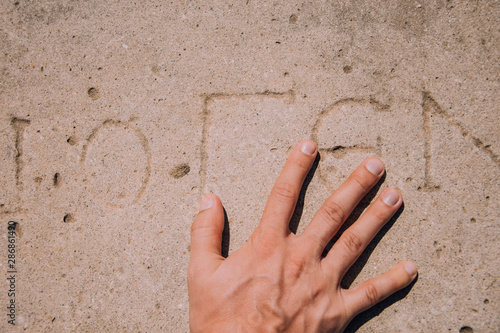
(281, 203)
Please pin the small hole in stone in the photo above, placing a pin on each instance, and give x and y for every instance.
(180, 171)
(68, 218)
(57, 179)
(466, 329)
(93, 93)
(472, 220)
(486, 301)
(347, 69)
(72, 141)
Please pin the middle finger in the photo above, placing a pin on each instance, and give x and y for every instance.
(354, 240)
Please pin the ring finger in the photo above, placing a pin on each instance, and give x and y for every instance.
(355, 239)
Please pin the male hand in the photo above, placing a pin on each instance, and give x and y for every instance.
(278, 281)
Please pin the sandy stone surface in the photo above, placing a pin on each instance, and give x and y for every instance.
(117, 115)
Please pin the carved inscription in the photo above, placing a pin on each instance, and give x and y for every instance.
(117, 163)
(116, 157)
(346, 131)
(19, 126)
(245, 140)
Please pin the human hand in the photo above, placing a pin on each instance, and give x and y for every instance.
(278, 281)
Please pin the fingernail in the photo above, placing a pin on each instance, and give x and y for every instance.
(206, 203)
(390, 197)
(411, 269)
(375, 166)
(308, 148)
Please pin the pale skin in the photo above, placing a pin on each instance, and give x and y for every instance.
(279, 281)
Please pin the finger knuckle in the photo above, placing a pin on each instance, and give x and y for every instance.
(300, 163)
(371, 294)
(295, 268)
(264, 244)
(352, 243)
(335, 316)
(362, 180)
(334, 212)
(392, 282)
(201, 225)
(380, 215)
(285, 191)
(205, 223)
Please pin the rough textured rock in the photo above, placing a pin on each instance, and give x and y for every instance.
(116, 116)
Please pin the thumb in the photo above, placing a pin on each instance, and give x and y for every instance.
(206, 231)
